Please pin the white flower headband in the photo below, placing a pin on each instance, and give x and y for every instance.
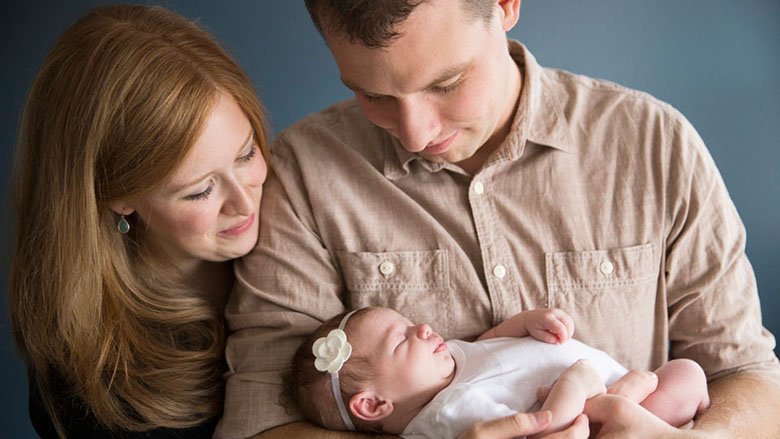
(330, 353)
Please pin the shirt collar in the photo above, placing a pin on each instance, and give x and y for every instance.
(539, 118)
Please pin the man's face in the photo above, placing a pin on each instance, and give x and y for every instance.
(445, 88)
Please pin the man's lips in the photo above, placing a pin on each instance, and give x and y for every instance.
(443, 146)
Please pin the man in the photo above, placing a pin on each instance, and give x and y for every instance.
(466, 183)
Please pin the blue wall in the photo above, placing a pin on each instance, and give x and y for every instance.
(718, 61)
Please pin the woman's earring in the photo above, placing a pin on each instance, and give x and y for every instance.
(123, 226)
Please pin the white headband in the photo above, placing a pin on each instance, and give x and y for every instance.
(330, 353)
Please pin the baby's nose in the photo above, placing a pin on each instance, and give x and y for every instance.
(424, 331)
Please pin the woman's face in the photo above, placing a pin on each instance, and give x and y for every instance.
(208, 211)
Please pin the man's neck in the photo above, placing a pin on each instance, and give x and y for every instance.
(474, 163)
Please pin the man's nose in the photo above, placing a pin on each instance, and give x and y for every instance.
(418, 123)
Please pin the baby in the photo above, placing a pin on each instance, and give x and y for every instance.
(374, 370)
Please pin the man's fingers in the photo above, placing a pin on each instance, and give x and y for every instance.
(523, 423)
(603, 408)
(635, 385)
(520, 424)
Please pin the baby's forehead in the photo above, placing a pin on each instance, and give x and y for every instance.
(376, 323)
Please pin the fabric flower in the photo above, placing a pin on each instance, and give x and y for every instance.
(331, 352)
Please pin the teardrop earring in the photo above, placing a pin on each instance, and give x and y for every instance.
(122, 225)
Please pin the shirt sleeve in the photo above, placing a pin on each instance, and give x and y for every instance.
(713, 303)
(284, 289)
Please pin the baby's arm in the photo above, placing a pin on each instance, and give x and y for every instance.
(550, 325)
(567, 396)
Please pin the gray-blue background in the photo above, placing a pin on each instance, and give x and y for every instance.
(718, 61)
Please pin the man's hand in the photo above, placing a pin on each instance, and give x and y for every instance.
(523, 424)
(550, 325)
(620, 418)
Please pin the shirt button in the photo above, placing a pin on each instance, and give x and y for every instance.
(386, 268)
(479, 188)
(606, 267)
(499, 271)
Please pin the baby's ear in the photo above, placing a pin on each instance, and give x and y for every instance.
(370, 406)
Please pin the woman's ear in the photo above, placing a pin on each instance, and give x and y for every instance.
(370, 406)
(122, 208)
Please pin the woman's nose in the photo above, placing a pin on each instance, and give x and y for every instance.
(240, 201)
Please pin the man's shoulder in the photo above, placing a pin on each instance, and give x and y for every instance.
(603, 112)
(342, 123)
(596, 92)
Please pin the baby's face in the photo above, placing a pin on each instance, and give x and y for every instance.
(409, 359)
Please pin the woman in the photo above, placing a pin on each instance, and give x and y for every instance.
(140, 166)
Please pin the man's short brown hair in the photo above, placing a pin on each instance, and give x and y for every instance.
(372, 23)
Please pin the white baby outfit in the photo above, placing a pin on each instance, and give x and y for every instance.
(499, 377)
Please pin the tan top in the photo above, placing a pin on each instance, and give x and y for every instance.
(602, 201)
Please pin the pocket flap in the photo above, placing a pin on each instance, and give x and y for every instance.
(599, 269)
(408, 270)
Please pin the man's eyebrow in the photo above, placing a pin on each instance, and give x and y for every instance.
(443, 76)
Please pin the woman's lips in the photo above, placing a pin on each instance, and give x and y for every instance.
(239, 228)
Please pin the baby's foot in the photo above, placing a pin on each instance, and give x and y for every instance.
(636, 385)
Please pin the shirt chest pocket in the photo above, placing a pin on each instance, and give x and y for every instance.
(612, 295)
(414, 283)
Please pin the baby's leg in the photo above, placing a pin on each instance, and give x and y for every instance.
(681, 393)
(567, 396)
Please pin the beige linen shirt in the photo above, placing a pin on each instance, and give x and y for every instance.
(602, 201)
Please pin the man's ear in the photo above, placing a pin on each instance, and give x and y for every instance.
(370, 406)
(510, 13)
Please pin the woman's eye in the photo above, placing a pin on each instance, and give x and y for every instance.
(200, 195)
(248, 156)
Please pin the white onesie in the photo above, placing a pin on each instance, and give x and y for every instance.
(499, 377)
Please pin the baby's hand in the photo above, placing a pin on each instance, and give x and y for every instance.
(550, 325)
(584, 374)
(546, 324)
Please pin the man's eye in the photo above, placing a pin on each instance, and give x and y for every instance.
(444, 89)
(371, 97)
